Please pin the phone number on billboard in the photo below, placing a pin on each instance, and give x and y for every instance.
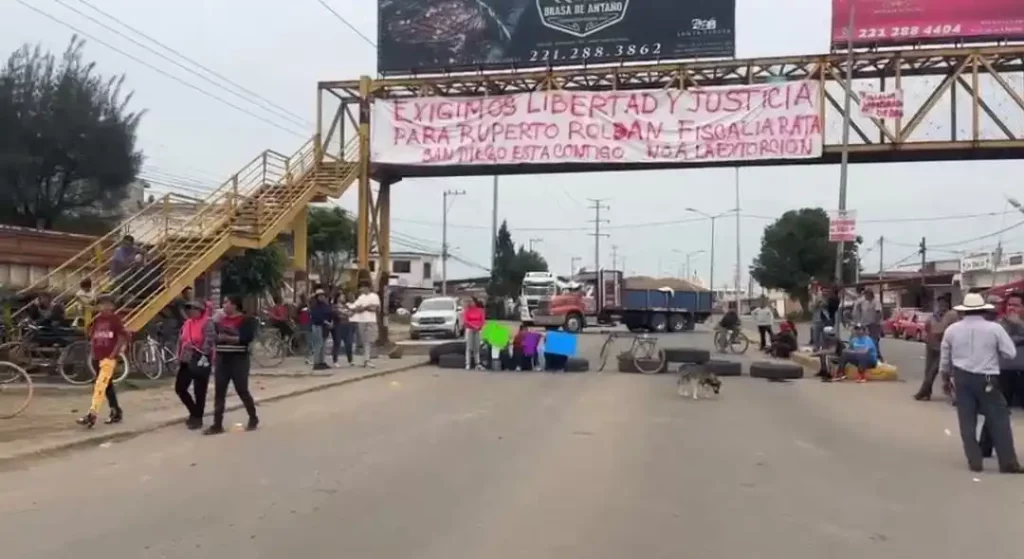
(908, 31)
(585, 53)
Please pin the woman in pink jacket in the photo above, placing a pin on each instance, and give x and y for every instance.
(195, 349)
(473, 318)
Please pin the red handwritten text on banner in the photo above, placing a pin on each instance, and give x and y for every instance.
(753, 122)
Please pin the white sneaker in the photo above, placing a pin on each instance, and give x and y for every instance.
(369, 365)
(337, 364)
(467, 367)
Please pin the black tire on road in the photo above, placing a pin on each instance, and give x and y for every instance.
(628, 365)
(687, 355)
(577, 365)
(452, 361)
(776, 370)
(724, 368)
(447, 348)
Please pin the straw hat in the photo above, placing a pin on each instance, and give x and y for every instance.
(973, 302)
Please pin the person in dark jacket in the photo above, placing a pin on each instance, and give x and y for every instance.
(320, 315)
(341, 333)
(235, 332)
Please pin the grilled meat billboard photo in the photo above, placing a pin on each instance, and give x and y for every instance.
(427, 36)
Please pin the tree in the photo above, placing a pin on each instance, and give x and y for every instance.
(254, 272)
(504, 267)
(795, 250)
(331, 241)
(526, 261)
(67, 140)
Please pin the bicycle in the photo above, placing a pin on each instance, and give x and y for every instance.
(15, 390)
(643, 349)
(76, 367)
(270, 348)
(153, 357)
(733, 341)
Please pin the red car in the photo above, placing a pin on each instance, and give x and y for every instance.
(893, 326)
(912, 327)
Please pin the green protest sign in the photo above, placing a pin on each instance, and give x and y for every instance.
(495, 334)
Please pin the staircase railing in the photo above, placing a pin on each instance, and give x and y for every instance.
(174, 230)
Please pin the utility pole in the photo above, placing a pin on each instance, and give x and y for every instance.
(844, 159)
(572, 266)
(535, 240)
(615, 254)
(737, 239)
(881, 257)
(597, 204)
(444, 236)
(494, 225)
(924, 253)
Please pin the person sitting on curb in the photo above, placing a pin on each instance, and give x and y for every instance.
(861, 353)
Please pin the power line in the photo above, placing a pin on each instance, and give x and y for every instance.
(347, 24)
(157, 70)
(268, 105)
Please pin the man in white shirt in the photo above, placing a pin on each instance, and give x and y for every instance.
(364, 316)
(868, 311)
(971, 350)
(764, 319)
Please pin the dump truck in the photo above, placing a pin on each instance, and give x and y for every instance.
(605, 298)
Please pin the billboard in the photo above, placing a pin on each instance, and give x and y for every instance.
(892, 22)
(429, 36)
(701, 125)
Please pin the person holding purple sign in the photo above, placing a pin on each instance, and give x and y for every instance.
(524, 349)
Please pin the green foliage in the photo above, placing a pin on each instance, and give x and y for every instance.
(511, 265)
(795, 250)
(332, 241)
(67, 140)
(504, 267)
(254, 272)
(526, 261)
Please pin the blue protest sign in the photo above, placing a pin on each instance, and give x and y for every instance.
(560, 343)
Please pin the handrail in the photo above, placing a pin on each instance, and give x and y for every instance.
(256, 197)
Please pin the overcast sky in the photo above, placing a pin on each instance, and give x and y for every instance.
(281, 49)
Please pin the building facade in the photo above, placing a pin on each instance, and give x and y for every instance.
(417, 270)
(981, 271)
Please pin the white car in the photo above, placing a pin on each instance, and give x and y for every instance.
(437, 316)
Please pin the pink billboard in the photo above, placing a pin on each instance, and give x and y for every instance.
(890, 22)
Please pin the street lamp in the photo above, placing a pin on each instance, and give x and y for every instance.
(713, 218)
(687, 256)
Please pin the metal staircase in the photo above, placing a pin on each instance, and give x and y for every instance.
(181, 237)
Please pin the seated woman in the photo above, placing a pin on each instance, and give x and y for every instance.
(861, 353)
(525, 349)
(784, 343)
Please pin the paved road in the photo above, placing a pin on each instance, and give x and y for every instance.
(442, 464)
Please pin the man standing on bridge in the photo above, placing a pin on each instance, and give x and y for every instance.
(970, 351)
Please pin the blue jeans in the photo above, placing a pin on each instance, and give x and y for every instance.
(316, 344)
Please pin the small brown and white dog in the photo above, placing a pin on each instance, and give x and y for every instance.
(693, 379)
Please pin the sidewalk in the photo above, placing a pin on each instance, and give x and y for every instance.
(48, 425)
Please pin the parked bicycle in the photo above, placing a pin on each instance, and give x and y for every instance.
(76, 367)
(643, 350)
(734, 341)
(270, 349)
(153, 357)
(15, 390)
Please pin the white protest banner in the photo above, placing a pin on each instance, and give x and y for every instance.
(735, 123)
(842, 226)
(881, 104)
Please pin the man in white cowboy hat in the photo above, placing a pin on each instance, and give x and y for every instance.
(970, 351)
